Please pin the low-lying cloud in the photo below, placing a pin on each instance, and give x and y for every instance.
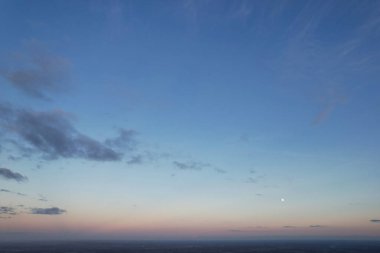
(47, 211)
(10, 175)
(317, 226)
(375, 221)
(7, 210)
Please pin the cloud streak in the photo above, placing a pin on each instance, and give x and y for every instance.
(190, 165)
(10, 175)
(47, 211)
(7, 210)
(12, 192)
(317, 226)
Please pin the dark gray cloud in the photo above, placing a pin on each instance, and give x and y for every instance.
(7, 210)
(317, 226)
(36, 72)
(10, 175)
(190, 165)
(125, 140)
(375, 221)
(52, 134)
(47, 211)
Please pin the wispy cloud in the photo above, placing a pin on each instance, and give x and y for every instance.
(289, 227)
(136, 159)
(12, 192)
(220, 171)
(36, 72)
(329, 102)
(125, 140)
(42, 198)
(333, 69)
(247, 229)
(47, 211)
(7, 210)
(317, 226)
(10, 175)
(52, 134)
(375, 221)
(254, 178)
(190, 165)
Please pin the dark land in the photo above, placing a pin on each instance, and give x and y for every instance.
(192, 247)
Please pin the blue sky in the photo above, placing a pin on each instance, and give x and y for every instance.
(189, 119)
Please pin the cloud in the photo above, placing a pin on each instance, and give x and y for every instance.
(36, 72)
(52, 134)
(254, 179)
(137, 159)
(236, 230)
(7, 210)
(125, 140)
(375, 221)
(42, 198)
(47, 211)
(220, 171)
(289, 227)
(13, 158)
(251, 180)
(10, 175)
(317, 226)
(17, 193)
(190, 165)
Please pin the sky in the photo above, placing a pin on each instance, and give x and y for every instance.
(198, 120)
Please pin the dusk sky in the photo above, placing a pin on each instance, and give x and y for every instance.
(189, 119)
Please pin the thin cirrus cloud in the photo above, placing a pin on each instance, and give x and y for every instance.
(10, 175)
(12, 192)
(36, 72)
(190, 165)
(52, 134)
(47, 211)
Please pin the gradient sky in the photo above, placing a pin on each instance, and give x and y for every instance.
(189, 119)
